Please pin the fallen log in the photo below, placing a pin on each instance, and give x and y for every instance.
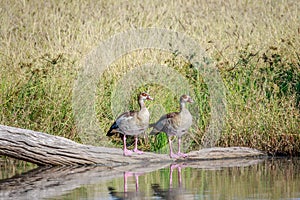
(44, 149)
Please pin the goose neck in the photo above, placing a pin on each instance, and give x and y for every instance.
(182, 106)
(141, 103)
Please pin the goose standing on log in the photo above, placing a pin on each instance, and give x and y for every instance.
(132, 123)
(175, 124)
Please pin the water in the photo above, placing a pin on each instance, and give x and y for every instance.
(216, 179)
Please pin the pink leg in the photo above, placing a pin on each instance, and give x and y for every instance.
(135, 146)
(172, 155)
(179, 153)
(126, 151)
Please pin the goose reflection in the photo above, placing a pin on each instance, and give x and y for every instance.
(172, 193)
(127, 194)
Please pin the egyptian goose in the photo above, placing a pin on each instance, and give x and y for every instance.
(175, 124)
(132, 123)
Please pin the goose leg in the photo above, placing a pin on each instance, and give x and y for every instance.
(135, 146)
(172, 155)
(179, 153)
(126, 151)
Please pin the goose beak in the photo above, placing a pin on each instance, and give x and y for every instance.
(149, 98)
(190, 100)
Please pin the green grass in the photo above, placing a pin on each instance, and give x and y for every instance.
(40, 98)
(263, 101)
(255, 46)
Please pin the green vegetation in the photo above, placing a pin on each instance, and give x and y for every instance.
(255, 46)
(264, 103)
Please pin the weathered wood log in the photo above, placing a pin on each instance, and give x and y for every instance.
(44, 149)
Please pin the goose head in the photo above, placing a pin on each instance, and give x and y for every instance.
(145, 96)
(186, 99)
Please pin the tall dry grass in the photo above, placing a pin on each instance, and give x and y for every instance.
(255, 45)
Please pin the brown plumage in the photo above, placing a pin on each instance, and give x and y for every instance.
(132, 123)
(175, 124)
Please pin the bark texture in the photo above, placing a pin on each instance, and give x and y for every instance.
(44, 149)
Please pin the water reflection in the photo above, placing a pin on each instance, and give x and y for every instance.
(215, 179)
(10, 167)
(171, 193)
(177, 192)
(127, 194)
